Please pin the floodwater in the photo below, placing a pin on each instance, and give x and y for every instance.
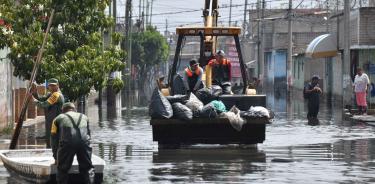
(334, 151)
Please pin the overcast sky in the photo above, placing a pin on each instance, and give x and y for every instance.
(166, 9)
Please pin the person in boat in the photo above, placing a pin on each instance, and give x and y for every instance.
(221, 72)
(51, 102)
(70, 135)
(312, 92)
(193, 77)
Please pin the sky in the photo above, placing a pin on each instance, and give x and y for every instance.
(188, 12)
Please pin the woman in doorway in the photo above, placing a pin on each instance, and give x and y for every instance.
(360, 88)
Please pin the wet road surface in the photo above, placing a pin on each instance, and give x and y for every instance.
(334, 151)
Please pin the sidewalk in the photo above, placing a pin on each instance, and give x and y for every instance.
(351, 115)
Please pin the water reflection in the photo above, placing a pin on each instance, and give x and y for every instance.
(331, 151)
(226, 164)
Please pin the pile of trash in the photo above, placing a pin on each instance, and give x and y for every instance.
(187, 107)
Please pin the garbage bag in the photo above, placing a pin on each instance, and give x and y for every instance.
(206, 95)
(233, 115)
(194, 103)
(178, 85)
(208, 111)
(219, 106)
(178, 98)
(182, 112)
(257, 111)
(160, 106)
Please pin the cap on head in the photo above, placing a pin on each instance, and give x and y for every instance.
(68, 105)
(220, 53)
(53, 81)
(193, 62)
(315, 77)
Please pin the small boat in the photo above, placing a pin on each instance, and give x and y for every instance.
(37, 166)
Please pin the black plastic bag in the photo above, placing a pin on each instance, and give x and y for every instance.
(160, 106)
(178, 85)
(182, 112)
(206, 95)
(208, 111)
(178, 98)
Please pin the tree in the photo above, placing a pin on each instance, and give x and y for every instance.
(75, 53)
(149, 48)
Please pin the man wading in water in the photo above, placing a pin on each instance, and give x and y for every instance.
(312, 93)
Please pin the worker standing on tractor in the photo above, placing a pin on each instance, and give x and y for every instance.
(221, 72)
(193, 77)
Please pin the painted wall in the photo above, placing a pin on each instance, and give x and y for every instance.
(5, 90)
(366, 60)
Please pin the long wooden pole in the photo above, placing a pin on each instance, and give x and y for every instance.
(27, 99)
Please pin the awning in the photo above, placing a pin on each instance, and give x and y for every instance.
(322, 46)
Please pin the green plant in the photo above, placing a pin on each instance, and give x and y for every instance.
(7, 130)
(75, 53)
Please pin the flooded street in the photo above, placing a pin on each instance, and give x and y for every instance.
(335, 151)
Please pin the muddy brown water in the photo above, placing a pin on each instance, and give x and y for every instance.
(333, 151)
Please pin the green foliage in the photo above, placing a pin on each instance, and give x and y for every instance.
(74, 54)
(7, 130)
(149, 48)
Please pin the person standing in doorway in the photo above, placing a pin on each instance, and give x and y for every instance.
(51, 102)
(312, 92)
(360, 87)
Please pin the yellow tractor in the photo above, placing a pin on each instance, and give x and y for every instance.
(216, 130)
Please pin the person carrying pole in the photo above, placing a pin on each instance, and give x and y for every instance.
(70, 135)
(51, 102)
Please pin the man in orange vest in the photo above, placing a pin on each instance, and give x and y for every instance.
(221, 72)
(193, 77)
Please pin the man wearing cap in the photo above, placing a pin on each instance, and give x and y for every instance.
(193, 76)
(312, 92)
(221, 72)
(70, 136)
(51, 102)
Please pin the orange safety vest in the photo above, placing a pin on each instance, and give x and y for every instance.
(190, 73)
(214, 61)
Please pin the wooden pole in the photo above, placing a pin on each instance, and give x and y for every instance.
(26, 101)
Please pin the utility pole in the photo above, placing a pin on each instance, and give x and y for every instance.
(258, 41)
(261, 56)
(290, 48)
(230, 13)
(143, 14)
(140, 10)
(346, 64)
(115, 12)
(244, 20)
(147, 13)
(128, 42)
(152, 4)
(166, 28)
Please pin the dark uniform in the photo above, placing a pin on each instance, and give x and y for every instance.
(313, 101)
(221, 74)
(70, 135)
(52, 103)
